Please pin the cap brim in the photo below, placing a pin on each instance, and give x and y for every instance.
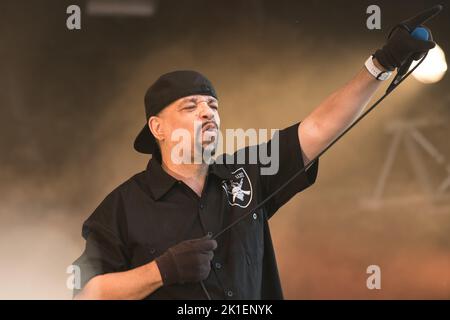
(145, 141)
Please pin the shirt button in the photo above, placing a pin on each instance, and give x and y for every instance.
(255, 216)
(201, 206)
(218, 265)
(209, 234)
(230, 293)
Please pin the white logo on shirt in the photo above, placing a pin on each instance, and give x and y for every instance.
(238, 189)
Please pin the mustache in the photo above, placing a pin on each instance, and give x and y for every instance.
(208, 123)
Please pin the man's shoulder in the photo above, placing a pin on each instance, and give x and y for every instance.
(114, 201)
(138, 180)
(126, 189)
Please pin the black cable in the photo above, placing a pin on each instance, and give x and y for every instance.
(302, 170)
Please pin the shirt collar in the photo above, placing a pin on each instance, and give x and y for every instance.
(161, 182)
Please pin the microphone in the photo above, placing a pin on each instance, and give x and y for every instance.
(419, 33)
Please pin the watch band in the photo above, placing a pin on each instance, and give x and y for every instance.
(375, 71)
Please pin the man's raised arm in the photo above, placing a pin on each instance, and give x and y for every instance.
(340, 109)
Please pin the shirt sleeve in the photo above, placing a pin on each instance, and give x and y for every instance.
(290, 161)
(105, 235)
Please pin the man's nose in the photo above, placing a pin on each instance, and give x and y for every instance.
(205, 111)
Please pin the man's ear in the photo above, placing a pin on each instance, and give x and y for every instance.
(156, 127)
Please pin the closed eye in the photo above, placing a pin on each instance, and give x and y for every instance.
(189, 107)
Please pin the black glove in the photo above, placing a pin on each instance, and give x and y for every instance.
(401, 45)
(188, 261)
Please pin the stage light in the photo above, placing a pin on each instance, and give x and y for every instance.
(433, 68)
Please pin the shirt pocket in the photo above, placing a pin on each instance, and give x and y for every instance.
(251, 235)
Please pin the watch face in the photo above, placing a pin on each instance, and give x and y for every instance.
(383, 75)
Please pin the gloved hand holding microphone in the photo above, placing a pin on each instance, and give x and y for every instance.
(407, 41)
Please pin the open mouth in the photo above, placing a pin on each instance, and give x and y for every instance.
(209, 133)
(209, 127)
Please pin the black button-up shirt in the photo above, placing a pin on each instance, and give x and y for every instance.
(153, 211)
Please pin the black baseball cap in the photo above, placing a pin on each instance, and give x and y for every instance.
(167, 89)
